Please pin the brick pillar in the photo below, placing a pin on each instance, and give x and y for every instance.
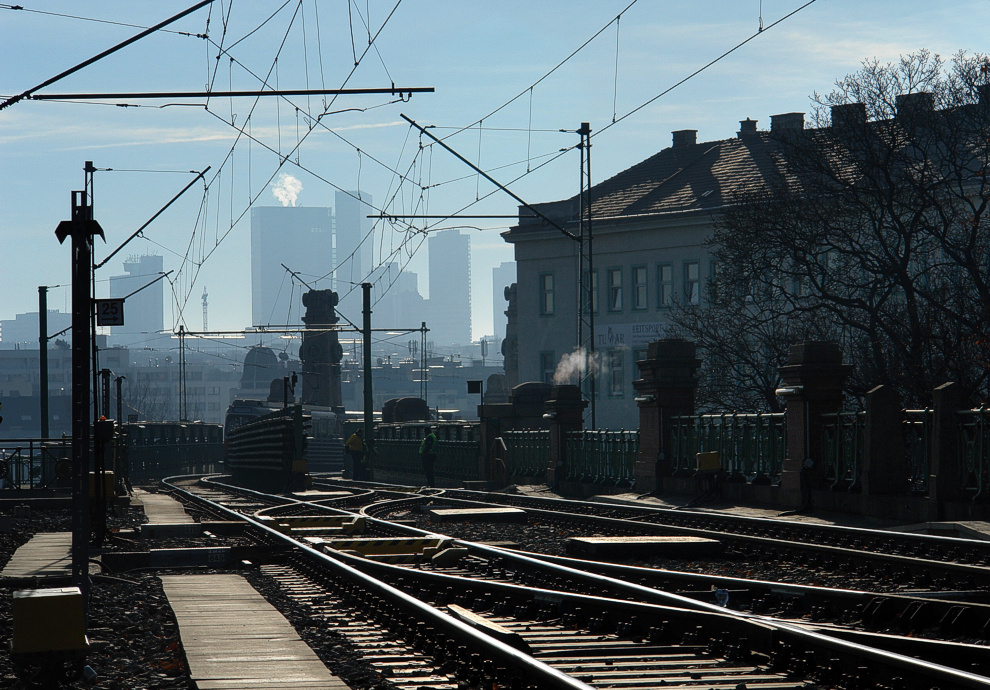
(811, 385)
(945, 484)
(565, 410)
(666, 388)
(884, 468)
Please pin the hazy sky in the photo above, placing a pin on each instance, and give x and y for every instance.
(479, 56)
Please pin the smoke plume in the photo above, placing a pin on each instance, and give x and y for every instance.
(574, 365)
(286, 189)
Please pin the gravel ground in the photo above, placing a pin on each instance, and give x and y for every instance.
(133, 634)
(134, 641)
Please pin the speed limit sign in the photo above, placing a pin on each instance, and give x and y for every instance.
(110, 312)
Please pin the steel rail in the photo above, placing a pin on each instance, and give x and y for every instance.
(926, 565)
(531, 668)
(669, 600)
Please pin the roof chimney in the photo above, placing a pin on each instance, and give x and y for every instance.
(848, 117)
(747, 128)
(915, 105)
(786, 121)
(685, 137)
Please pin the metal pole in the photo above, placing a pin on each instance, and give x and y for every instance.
(120, 405)
(586, 278)
(369, 399)
(105, 388)
(183, 407)
(424, 363)
(43, 355)
(81, 229)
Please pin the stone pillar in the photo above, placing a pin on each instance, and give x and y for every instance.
(811, 385)
(884, 469)
(495, 419)
(666, 388)
(945, 484)
(565, 413)
(529, 402)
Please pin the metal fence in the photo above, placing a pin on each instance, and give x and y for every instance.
(527, 453)
(751, 446)
(398, 458)
(844, 439)
(34, 463)
(918, 426)
(974, 446)
(150, 451)
(602, 457)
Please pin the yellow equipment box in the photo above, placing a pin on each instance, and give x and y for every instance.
(709, 462)
(48, 620)
(108, 484)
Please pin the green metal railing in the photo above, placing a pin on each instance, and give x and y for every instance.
(527, 453)
(396, 457)
(844, 436)
(918, 428)
(150, 451)
(974, 445)
(602, 457)
(751, 446)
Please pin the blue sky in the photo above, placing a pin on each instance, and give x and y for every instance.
(479, 56)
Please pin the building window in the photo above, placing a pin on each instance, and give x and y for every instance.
(615, 374)
(615, 289)
(692, 282)
(548, 365)
(546, 294)
(639, 287)
(592, 288)
(665, 285)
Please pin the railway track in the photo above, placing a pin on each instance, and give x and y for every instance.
(633, 636)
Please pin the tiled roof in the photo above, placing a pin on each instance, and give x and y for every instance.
(691, 177)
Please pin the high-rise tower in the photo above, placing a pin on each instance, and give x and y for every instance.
(301, 238)
(450, 288)
(144, 311)
(352, 252)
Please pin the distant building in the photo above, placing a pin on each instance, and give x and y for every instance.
(352, 253)
(450, 289)
(299, 237)
(396, 301)
(144, 310)
(503, 276)
(22, 331)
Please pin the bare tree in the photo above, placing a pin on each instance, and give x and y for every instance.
(873, 233)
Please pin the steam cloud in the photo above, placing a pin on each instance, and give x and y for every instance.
(573, 366)
(286, 189)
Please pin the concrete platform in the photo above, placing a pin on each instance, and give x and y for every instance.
(45, 555)
(482, 514)
(161, 508)
(664, 547)
(235, 640)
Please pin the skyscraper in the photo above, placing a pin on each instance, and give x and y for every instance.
(144, 310)
(503, 276)
(352, 253)
(450, 288)
(299, 237)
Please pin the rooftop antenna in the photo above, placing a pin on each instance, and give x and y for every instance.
(206, 306)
